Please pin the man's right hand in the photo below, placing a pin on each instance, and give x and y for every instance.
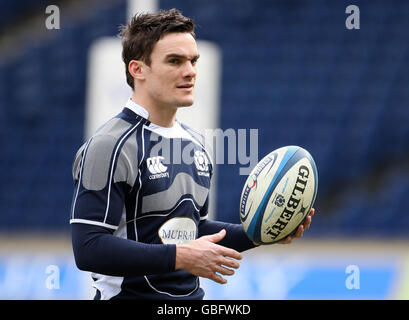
(204, 258)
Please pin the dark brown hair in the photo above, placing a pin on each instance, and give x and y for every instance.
(144, 30)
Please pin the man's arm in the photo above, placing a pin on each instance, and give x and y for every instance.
(235, 237)
(204, 258)
(97, 250)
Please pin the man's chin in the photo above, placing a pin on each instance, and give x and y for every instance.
(183, 104)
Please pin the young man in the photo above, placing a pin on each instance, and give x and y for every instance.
(139, 215)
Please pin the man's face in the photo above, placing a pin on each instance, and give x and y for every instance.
(170, 78)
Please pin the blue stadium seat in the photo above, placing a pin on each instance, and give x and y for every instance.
(290, 69)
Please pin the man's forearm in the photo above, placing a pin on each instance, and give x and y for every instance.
(97, 250)
(235, 237)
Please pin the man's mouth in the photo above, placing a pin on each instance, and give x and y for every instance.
(186, 86)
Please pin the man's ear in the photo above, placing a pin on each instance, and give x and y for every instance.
(136, 69)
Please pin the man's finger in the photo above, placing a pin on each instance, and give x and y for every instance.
(224, 271)
(230, 263)
(215, 277)
(299, 232)
(286, 240)
(307, 222)
(227, 252)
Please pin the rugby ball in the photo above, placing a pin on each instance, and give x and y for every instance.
(278, 194)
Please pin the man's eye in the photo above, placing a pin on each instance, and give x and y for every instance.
(174, 61)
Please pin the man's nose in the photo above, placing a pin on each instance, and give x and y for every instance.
(189, 70)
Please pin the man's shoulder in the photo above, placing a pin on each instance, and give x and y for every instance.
(115, 128)
(114, 142)
(112, 135)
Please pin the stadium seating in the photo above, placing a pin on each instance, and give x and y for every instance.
(294, 71)
(43, 105)
(290, 69)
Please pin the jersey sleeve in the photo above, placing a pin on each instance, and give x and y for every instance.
(96, 250)
(103, 175)
(235, 237)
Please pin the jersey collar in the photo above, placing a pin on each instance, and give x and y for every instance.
(139, 110)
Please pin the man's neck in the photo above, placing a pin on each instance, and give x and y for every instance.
(163, 116)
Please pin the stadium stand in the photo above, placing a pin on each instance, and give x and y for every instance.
(43, 106)
(290, 68)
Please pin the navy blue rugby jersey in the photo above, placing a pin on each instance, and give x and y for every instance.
(147, 184)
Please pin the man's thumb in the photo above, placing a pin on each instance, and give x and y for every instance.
(216, 237)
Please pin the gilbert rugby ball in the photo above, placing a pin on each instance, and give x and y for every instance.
(278, 194)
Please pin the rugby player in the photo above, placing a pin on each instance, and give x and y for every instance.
(139, 216)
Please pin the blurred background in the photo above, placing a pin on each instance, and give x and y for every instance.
(289, 68)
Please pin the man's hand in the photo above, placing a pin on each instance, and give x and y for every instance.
(300, 230)
(204, 258)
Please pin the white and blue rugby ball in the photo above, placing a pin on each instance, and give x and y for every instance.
(278, 194)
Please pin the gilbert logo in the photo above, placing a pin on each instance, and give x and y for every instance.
(156, 167)
(202, 163)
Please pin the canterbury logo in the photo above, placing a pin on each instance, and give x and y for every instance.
(155, 165)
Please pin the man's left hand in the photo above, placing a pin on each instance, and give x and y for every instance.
(300, 230)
